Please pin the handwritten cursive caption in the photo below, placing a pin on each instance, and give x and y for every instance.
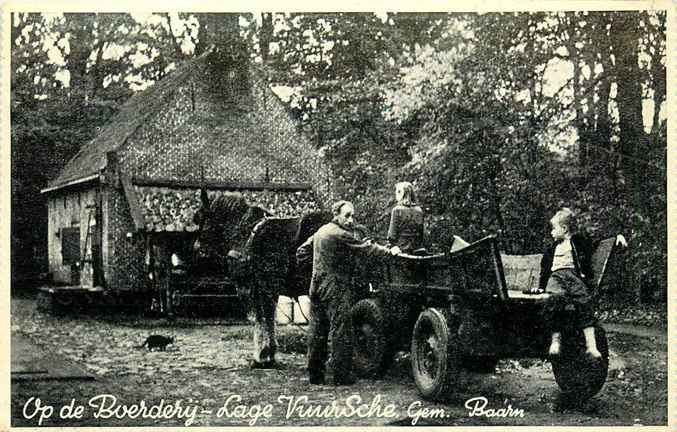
(108, 406)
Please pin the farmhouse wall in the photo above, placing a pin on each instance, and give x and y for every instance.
(69, 210)
(123, 254)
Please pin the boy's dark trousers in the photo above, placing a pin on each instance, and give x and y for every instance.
(331, 319)
(569, 298)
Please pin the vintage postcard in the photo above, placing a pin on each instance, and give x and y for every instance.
(394, 215)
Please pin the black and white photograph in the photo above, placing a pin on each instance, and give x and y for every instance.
(373, 217)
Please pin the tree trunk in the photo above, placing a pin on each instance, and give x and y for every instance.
(603, 130)
(658, 72)
(625, 37)
(603, 134)
(571, 23)
(81, 27)
(202, 37)
(175, 43)
(97, 83)
(266, 35)
(17, 27)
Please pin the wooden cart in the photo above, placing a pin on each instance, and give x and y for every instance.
(456, 311)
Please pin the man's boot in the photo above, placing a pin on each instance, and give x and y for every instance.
(316, 378)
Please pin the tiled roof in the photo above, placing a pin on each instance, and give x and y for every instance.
(136, 111)
(157, 134)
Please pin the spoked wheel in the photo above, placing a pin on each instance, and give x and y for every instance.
(434, 354)
(369, 351)
(577, 375)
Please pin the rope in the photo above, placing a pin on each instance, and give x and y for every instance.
(301, 310)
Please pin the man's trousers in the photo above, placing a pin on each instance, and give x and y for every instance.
(331, 320)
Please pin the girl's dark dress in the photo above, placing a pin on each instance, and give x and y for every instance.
(406, 227)
(405, 231)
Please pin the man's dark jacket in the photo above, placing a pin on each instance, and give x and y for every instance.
(333, 250)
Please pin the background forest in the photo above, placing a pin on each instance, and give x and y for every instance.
(499, 118)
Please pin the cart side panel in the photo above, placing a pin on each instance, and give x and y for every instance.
(474, 272)
(479, 271)
(602, 258)
(481, 291)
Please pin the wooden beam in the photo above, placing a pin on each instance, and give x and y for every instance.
(133, 201)
(77, 182)
(234, 185)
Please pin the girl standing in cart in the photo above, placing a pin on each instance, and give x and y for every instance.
(406, 220)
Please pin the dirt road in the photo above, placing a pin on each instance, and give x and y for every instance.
(204, 381)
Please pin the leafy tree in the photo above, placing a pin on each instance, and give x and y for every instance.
(499, 118)
(70, 74)
(492, 126)
(338, 65)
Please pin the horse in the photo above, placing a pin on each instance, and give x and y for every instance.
(260, 253)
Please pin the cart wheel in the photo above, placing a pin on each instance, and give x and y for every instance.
(45, 302)
(370, 358)
(578, 376)
(434, 356)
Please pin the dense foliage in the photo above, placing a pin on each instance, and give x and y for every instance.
(500, 133)
(499, 119)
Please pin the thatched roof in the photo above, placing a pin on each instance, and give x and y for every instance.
(142, 106)
(200, 122)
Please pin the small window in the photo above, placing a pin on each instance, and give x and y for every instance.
(70, 245)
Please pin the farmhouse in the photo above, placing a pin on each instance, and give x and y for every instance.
(213, 122)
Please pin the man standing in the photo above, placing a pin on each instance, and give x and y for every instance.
(333, 248)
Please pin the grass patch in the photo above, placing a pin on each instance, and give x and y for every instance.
(650, 315)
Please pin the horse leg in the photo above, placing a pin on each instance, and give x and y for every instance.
(265, 343)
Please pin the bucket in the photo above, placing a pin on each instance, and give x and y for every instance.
(285, 310)
(302, 310)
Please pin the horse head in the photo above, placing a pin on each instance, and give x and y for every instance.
(225, 223)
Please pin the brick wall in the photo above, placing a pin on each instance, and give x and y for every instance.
(170, 209)
(124, 258)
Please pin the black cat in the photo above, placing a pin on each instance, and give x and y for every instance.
(157, 341)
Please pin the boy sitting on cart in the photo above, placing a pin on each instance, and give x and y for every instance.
(565, 272)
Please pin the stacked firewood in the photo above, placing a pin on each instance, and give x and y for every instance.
(167, 209)
(285, 204)
(170, 210)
